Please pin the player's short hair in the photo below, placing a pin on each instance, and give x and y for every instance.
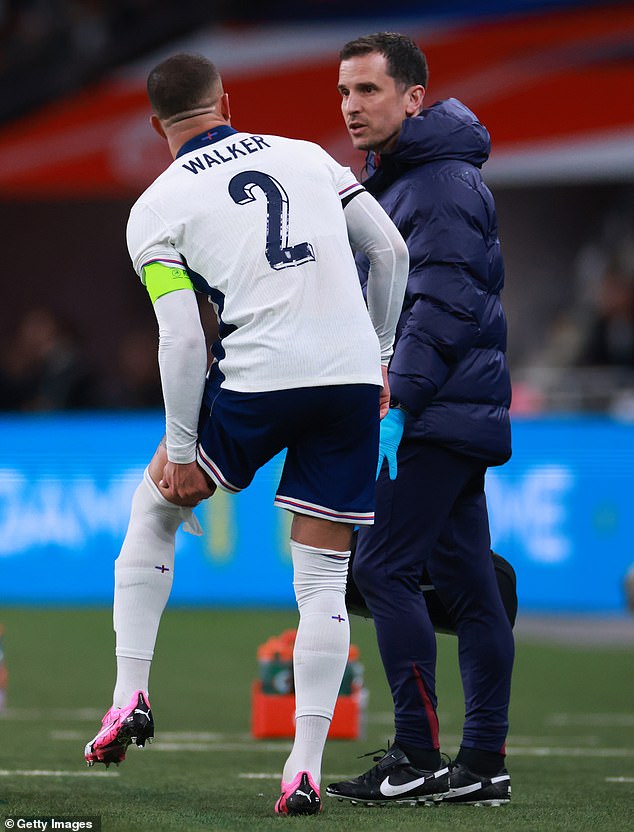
(406, 63)
(181, 83)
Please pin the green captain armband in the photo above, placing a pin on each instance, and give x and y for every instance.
(161, 280)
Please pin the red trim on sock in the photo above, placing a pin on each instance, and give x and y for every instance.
(432, 718)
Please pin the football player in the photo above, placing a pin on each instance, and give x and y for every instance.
(263, 226)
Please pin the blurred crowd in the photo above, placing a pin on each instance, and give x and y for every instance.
(51, 47)
(46, 365)
(587, 363)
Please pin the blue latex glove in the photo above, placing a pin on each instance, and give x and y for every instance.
(389, 439)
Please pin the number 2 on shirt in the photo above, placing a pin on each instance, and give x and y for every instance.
(278, 252)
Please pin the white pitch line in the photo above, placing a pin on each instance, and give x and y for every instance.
(169, 736)
(61, 714)
(265, 775)
(249, 745)
(160, 744)
(591, 740)
(259, 775)
(44, 773)
(249, 748)
(549, 751)
(195, 736)
(596, 719)
(536, 751)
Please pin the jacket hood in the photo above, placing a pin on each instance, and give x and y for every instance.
(446, 130)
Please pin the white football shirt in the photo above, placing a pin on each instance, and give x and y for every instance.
(258, 222)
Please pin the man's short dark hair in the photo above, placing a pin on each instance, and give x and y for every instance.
(181, 83)
(406, 63)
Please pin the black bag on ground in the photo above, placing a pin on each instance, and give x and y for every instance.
(438, 613)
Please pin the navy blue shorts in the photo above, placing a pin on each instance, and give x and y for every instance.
(332, 437)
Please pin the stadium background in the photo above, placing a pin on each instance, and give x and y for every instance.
(552, 81)
(547, 79)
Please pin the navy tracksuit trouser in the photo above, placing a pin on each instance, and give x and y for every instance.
(434, 515)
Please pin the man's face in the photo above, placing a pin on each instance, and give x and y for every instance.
(372, 103)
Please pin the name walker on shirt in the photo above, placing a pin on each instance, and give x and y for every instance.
(227, 153)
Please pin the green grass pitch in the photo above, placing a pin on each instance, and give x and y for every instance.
(571, 749)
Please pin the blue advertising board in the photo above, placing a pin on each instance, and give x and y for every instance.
(561, 511)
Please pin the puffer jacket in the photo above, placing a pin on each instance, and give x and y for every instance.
(449, 369)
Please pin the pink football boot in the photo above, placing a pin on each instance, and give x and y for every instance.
(300, 797)
(119, 728)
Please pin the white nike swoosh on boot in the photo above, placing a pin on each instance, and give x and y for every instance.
(472, 787)
(388, 790)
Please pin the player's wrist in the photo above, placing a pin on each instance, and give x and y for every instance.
(181, 455)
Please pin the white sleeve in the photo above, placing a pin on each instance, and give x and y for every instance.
(183, 366)
(372, 231)
(343, 178)
(149, 239)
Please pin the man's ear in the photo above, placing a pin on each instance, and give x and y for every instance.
(155, 122)
(415, 96)
(225, 110)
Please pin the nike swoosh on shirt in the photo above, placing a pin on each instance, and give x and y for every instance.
(388, 790)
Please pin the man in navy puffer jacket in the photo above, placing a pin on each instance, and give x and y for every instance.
(448, 421)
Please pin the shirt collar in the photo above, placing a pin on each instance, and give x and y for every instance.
(216, 134)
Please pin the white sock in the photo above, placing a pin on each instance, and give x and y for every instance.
(144, 572)
(308, 748)
(320, 654)
(132, 675)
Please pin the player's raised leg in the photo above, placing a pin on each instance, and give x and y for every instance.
(143, 580)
